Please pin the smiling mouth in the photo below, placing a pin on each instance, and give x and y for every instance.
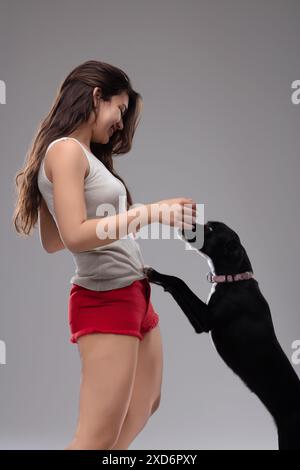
(111, 131)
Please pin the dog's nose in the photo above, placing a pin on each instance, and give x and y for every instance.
(206, 227)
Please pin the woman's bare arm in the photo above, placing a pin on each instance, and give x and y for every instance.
(49, 234)
(68, 167)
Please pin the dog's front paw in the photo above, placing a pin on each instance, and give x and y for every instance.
(152, 275)
(148, 271)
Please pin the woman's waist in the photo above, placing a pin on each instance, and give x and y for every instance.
(123, 245)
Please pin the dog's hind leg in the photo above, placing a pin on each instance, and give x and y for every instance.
(253, 352)
(288, 434)
(194, 308)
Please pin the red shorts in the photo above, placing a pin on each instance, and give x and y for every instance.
(126, 311)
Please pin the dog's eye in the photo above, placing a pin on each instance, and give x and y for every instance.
(210, 228)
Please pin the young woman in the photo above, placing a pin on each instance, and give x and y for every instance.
(67, 178)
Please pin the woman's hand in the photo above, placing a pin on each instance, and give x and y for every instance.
(178, 212)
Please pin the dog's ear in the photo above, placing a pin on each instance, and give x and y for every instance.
(233, 250)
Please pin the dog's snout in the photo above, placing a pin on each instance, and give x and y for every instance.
(207, 228)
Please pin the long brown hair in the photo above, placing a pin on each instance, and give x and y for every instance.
(72, 107)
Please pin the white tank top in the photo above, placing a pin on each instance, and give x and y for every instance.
(108, 267)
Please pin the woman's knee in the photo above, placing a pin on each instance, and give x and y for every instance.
(156, 404)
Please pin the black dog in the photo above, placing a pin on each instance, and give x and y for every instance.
(239, 318)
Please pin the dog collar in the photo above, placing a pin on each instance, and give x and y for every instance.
(229, 277)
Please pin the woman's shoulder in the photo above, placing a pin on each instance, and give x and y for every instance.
(65, 153)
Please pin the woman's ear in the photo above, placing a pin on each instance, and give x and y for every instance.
(96, 96)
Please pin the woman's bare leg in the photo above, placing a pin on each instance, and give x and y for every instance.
(109, 364)
(146, 392)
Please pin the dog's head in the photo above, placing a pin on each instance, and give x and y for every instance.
(218, 242)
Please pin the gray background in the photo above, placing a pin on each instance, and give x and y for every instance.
(218, 126)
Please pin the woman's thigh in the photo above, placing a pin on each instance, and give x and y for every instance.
(146, 392)
(109, 364)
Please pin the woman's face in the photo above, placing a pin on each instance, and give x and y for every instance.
(109, 116)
